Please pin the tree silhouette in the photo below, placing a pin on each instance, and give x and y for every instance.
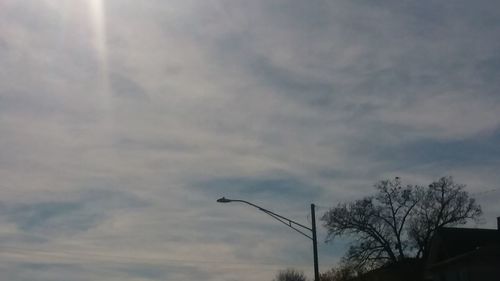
(443, 203)
(342, 273)
(290, 274)
(398, 221)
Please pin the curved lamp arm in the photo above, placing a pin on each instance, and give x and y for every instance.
(300, 228)
(286, 221)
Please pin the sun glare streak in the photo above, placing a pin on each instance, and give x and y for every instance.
(97, 14)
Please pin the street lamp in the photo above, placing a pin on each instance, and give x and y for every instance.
(300, 228)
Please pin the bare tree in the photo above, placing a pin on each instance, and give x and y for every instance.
(377, 223)
(443, 203)
(398, 221)
(290, 274)
(342, 273)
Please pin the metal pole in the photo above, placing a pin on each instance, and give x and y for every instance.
(290, 223)
(315, 243)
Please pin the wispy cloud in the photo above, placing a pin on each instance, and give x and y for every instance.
(280, 102)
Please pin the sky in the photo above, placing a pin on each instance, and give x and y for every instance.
(122, 122)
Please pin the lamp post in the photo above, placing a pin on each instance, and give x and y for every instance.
(300, 228)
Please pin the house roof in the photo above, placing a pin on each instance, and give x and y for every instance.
(407, 269)
(450, 242)
(481, 255)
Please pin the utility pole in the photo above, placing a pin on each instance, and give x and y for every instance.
(315, 243)
(300, 228)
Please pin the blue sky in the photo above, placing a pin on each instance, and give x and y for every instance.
(122, 122)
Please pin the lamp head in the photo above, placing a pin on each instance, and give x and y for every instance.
(223, 200)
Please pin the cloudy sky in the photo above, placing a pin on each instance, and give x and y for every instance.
(122, 121)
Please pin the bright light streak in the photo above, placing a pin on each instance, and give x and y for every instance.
(97, 13)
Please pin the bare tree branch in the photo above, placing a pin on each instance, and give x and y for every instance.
(398, 221)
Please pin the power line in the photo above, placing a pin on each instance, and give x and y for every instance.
(486, 191)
